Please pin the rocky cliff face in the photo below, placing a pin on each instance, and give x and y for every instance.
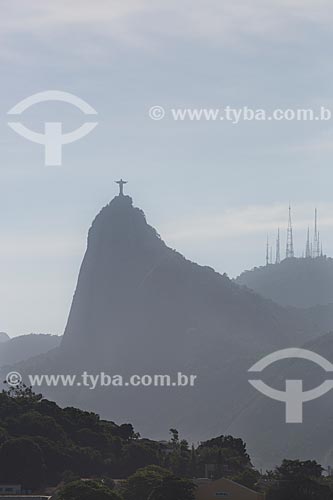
(142, 308)
(122, 254)
(138, 300)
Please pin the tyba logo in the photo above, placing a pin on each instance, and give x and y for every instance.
(53, 139)
(294, 397)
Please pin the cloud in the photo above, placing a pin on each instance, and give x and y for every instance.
(40, 246)
(44, 33)
(244, 221)
(230, 21)
(316, 145)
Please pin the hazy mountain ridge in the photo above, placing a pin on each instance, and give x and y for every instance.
(4, 337)
(296, 282)
(125, 257)
(23, 347)
(141, 308)
(265, 418)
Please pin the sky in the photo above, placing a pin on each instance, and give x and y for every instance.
(214, 190)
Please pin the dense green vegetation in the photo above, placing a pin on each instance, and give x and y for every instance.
(157, 483)
(87, 490)
(296, 480)
(43, 445)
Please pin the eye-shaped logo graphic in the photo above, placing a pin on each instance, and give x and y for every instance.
(293, 396)
(53, 138)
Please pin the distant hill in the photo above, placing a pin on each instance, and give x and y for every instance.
(264, 418)
(26, 346)
(140, 307)
(4, 337)
(320, 318)
(294, 282)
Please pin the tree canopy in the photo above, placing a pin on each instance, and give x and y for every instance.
(87, 490)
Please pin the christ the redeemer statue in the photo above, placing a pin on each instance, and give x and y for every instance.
(121, 186)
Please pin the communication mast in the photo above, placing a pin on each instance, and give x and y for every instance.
(277, 253)
(290, 238)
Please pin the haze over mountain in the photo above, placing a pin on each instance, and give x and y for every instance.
(264, 418)
(134, 293)
(4, 337)
(140, 307)
(25, 346)
(294, 282)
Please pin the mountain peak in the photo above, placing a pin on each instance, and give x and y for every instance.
(122, 200)
(122, 227)
(140, 307)
(123, 249)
